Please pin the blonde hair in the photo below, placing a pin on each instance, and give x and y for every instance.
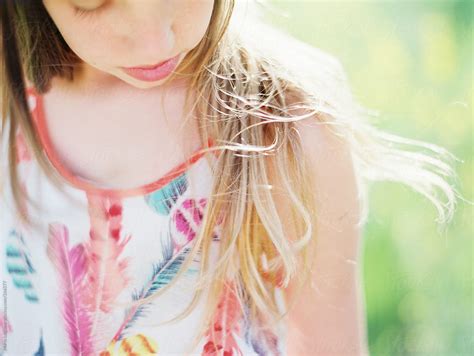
(250, 93)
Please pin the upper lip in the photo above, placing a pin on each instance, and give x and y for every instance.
(150, 66)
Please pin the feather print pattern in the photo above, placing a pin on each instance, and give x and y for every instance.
(175, 247)
(138, 344)
(92, 256)
(106, 273)
(186, 221)
(40, 351)
(263, 341)
(221, 334)
(5, 327)
(19, 265)
(162, 274)
(162, 200)
(71, 267)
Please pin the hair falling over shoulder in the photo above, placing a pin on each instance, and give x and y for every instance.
(251, 92)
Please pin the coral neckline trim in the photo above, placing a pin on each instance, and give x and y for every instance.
(82, 184)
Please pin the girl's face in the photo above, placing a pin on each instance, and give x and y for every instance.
(120, 33)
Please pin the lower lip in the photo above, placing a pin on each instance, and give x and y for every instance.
(153, 74)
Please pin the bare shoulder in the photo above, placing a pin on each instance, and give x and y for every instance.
(337, 198)
(331, 164)
(336, 312)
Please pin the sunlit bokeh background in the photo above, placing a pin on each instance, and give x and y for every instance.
(413, 62)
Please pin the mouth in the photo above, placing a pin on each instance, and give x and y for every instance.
(153, 72)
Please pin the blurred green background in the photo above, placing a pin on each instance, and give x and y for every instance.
(412, 61)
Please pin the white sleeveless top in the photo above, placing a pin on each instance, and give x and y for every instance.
(64, 282)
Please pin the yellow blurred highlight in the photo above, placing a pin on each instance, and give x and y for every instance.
(438, 47)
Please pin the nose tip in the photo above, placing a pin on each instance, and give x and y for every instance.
(152, 46)
(151, 34)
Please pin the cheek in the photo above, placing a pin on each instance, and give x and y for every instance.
(90, 42)
(90, 46)
(193, 20)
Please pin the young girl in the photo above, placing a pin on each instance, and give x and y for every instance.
(181, 178)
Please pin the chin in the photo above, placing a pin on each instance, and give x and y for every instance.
(144, 85)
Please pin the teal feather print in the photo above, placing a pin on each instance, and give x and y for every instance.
(162, 274)
(19, 265)
(162, 200)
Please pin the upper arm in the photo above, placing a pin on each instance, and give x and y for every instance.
(329, 315)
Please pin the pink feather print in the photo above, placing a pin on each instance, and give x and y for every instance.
(187, 218)
(5, 327)
(263, 340)
(220, 335)
(106, 275)
(70, 264)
